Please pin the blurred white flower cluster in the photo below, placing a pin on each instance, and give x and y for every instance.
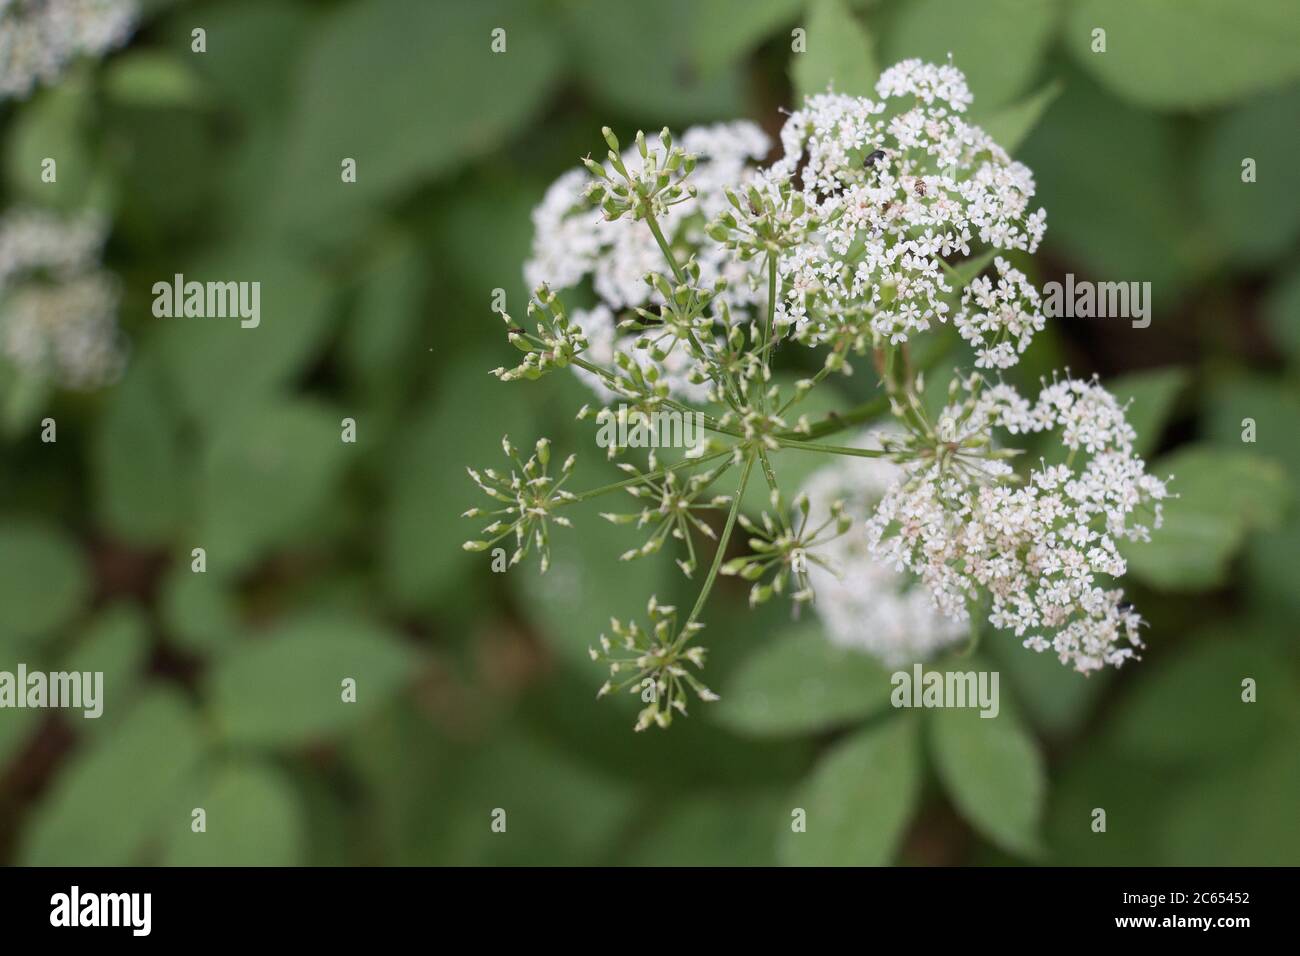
(572, 243)
(862, 601)
(38, 38)
(58, 306)
(883, 221)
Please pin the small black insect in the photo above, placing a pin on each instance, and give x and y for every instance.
(873, 158)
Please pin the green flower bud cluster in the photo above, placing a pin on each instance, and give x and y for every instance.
(641, 193)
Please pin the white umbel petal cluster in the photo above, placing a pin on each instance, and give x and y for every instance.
(864, 603)
(573, 242)
(902, 184)
(58, 307)
(38, 38)
(1044, 549)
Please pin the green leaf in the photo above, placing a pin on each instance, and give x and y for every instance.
(106, 805)
(16, 730)
(968, 269)
(143, 480)
(115, 644)
(1132, 794)
(1282, 313)
(201, 354)
(1271, 408)
(1010, 125)
(286, 687)
(1055, 698)
(566, 711)
(266, 477)
(55, 124)
(640, 59)
(726, 30)
(858, 799)
(153, 78)
(43, 578)
(1186, 54)
(485, 233)
(269, 35)
(998, 44)
(1152, 396)
(17, 726)
(198, 609)
(1272, 405)
(1240, 814)
(840, 52)
(355, 90)
(557, 810)
(1256, 221)
(428, 488)
(328, 821)
(387, 313)
(733, 829)
(164, 163)
(1110, 178)
(994, 773)
(23, 394)
(253, 818)
(1268, 567)
(1222, 495)
(800, 682)
(1189, 709)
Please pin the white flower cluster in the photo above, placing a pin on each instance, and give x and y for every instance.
(878, 221)
(573, 242)
(58, 307)
(39, 37)
(900, 189)
(999, 318)
(864, 603)
(959, 522)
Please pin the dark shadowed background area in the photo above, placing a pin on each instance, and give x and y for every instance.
(328, 560)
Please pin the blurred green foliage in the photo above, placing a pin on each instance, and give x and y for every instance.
(328, 560)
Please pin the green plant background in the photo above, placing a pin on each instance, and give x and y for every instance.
(328, 560)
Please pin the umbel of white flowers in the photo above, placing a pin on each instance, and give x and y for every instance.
(58, 305)
(882, 222)
(38, 38)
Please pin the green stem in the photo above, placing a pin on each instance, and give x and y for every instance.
(838, 421)
(770, 475)
(771, 298)
(724, 376)
(667, 250)
(832, 449)
(767, 332)
(710, 422)
(648, 476)
(816, 380)
(722, 549)
(867, 411)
